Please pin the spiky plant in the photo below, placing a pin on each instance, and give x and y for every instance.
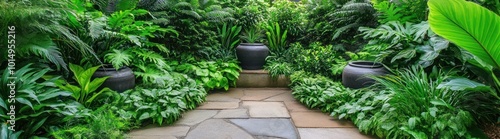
(39, 31)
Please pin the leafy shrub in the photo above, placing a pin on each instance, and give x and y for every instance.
(40, 31)
(251, 13)
(318, 27)
(290, 15)
(316, 58)
(86, 90)
(212, 74)
(197, 20)
(229, 36)
(403, 45)
(411, 104)
(319, 92)
(33, 98)
(402, 11)
(101, 124)
(276, 38)
(279, 68)
(163, 100)
(350, 16)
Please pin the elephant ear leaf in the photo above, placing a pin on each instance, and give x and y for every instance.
(468, 25)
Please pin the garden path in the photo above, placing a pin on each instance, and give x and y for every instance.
(252, 113)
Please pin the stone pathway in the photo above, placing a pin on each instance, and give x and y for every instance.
(252, 113)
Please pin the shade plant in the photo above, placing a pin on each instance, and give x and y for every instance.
(475, 30)
(162, 99)
(30, 93)
(38, 33)
(87, 88)
(103, 123)
(416, 107)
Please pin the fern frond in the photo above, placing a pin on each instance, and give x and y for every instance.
(150, 56)
(42, 46)
(118, 58)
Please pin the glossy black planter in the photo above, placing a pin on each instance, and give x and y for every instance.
(119, 80)
(252, 56)
(354, 74)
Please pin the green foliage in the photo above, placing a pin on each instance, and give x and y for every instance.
(402, 45)
(318, 27)
(110, 6)
(493, 5)
(390, 12)
(317, 58)
(319, 92)
(212, 74)
(276, 39)
(162, 101)
(252, 35)
(196, 20)
(85, 91)
(251, 13)
(101, 124)
(352, 15)
(290, 15)
(411, 105)
(474, 29)
(7, 133)
(277, 68)
(229, 36)
(402, 11)
(27, 96)
(38, 29)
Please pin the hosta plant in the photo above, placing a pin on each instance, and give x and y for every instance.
(161, 103)
(319, 92)
(212, 74)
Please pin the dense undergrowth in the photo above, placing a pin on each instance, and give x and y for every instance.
(442, 86)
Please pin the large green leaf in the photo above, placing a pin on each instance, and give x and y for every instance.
(468, 25)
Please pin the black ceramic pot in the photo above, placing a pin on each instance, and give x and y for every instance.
(119, 80)
(252, 56)
(354, 74)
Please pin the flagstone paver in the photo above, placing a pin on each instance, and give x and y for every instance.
(218, 105)
(160, 132)
(217, 129)
(252, 113)
(253, 94)
(294, 106)
(317, 119)
(266, 109)
(282, 128)
(331, 133)
(285, 96)
(233, 113)
(195, 117)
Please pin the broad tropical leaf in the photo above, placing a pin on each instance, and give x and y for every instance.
(464, 84)
(470, 26)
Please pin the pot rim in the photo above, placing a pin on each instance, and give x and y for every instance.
(109, 67)
(252, 44)
(366, 64)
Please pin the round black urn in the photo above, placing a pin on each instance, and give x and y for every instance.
(355, 73)
(119, 80)
(252, 56)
